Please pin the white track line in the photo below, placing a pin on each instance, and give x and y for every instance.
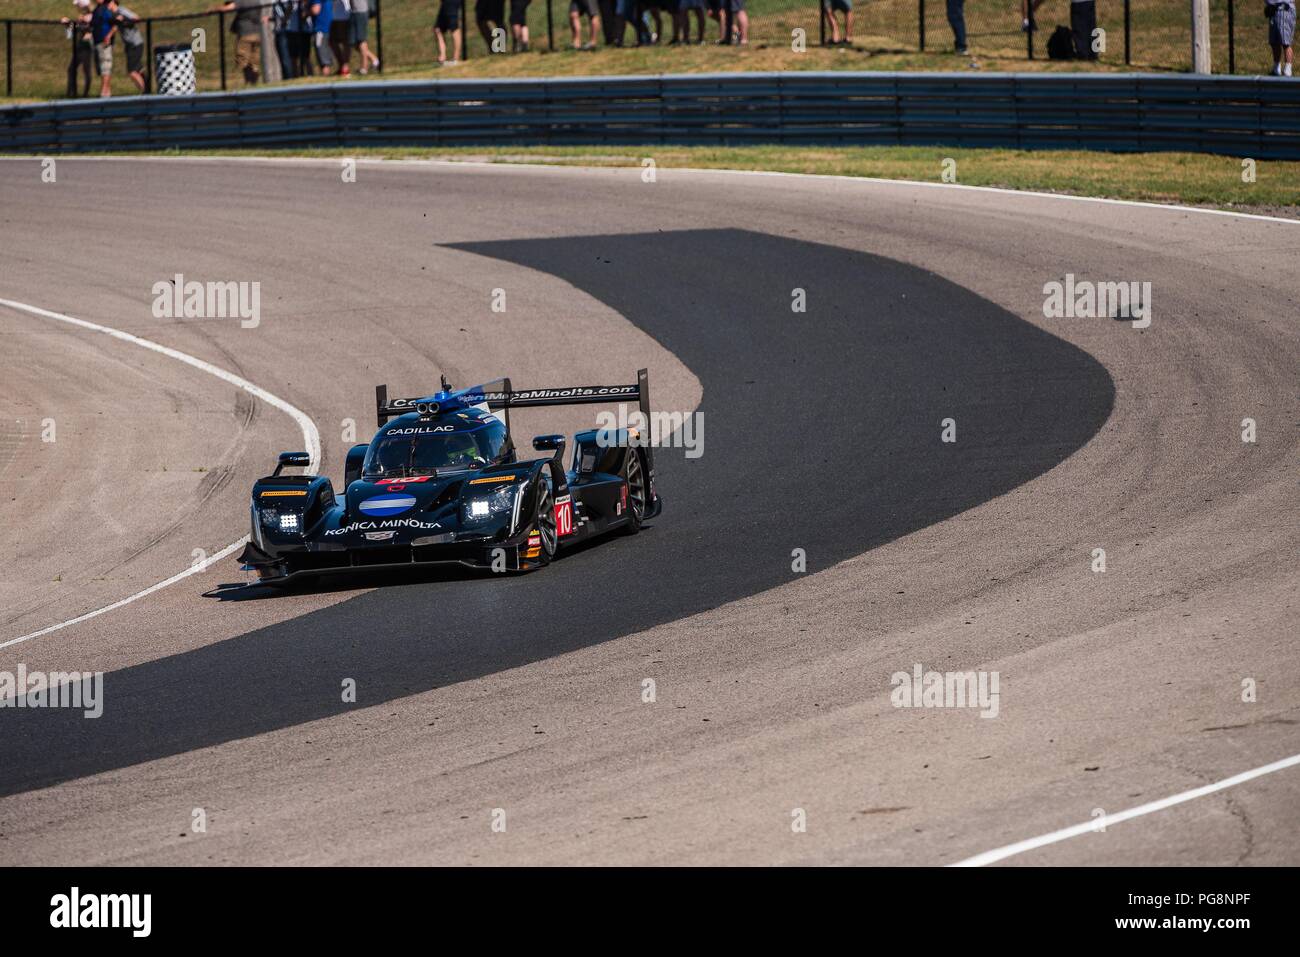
(512, 165)
(310, 436)
(1002, 853)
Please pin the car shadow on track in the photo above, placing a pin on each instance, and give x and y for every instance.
(364, 580)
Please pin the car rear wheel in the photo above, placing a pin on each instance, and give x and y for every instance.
(638, 491)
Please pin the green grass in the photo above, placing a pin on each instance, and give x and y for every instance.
(886, 34)
(1182, 178)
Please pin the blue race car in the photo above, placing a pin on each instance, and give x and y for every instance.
(441, 483)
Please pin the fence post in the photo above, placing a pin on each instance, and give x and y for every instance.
(920, 24)
(221, 46)
(1201, 36)
(1029, 36)
(1128, 30)
(464, 32)
(1232, 39)
(821, 22)
(149, 59)
(550, 27)
(379, 33)
(9, 57)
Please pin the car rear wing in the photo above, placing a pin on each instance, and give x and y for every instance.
(501, 395)
(638, 392)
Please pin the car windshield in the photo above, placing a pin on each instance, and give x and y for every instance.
(397, 454)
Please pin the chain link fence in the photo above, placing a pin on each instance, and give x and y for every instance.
(45, 59)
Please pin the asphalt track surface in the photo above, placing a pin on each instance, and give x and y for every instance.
(821, 432)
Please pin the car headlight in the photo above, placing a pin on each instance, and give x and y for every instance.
(480, 508)
(279, 521)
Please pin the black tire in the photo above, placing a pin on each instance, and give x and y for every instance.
(544, 523)
(638, 491)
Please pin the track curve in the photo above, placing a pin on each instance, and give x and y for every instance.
(837, 452)
(919, 551)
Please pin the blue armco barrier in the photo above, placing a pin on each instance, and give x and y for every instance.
(1257, 117)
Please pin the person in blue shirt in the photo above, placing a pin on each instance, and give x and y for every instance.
(322, 18)
(103, 28)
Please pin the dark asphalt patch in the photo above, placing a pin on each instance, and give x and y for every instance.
(821, 432)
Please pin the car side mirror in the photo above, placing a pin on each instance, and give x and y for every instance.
(301, 459)
(550, 443)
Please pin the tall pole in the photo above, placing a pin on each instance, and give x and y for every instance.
(1232, 40)
(151, 61)
(221, 46)
(1128, 33)
(1201, 36)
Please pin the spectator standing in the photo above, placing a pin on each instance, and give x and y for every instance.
(576, 9)
(735, 23)
(625, 12)
(829, 8)
(957, 20)
(490, 15)
(1281, 33)
(1083, 20)
(448, 25)
(300, 37)
(519, 24)
(715, 13)
(282, 16)
(684, 10)
(340, 35)
(83, 47)
(678, 17)
(132, 43)
(361, 35)
(103, 28)
(322, 18)
(652, 15)
(247, 27)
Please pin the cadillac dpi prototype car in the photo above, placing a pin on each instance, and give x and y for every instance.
(440, 482)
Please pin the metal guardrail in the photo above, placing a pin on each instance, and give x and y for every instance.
(1255, 117)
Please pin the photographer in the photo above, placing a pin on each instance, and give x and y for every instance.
(83, 48)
